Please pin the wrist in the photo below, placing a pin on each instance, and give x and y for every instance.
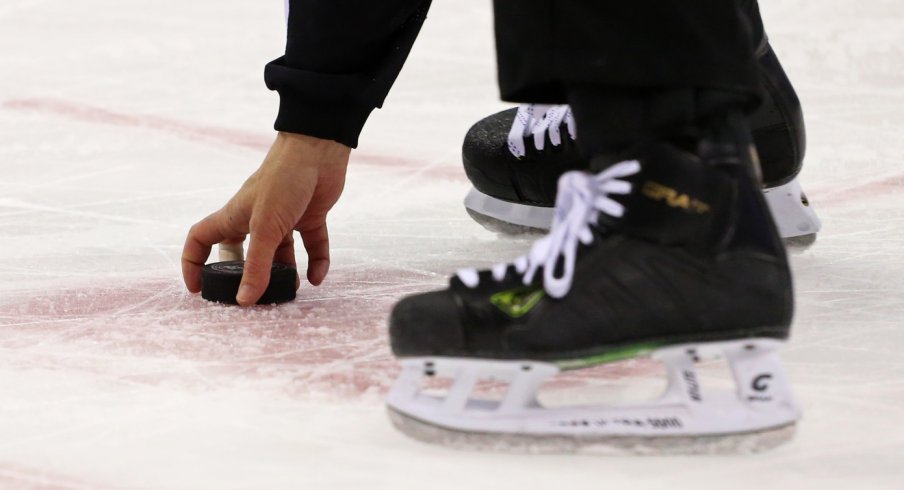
(302, 144)
(293, 151)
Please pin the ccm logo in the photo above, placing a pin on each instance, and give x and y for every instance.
(760, 382)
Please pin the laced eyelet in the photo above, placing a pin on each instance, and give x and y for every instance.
(580, 199)
(536, 121)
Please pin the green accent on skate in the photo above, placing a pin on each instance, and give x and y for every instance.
(619, 354)
(517, 302)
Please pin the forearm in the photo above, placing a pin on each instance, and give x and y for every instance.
(342, 57)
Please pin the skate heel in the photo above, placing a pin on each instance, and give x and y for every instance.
(796, 220)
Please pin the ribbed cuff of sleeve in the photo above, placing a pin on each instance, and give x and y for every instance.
(325, 106)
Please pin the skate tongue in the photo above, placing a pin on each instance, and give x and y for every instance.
(676, 198)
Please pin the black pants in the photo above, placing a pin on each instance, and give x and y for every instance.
(630, 70)
(626, 67)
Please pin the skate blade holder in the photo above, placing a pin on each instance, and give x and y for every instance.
(794, 216)
(758, 415)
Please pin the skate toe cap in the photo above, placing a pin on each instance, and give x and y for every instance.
(426, 324)
(489, 135)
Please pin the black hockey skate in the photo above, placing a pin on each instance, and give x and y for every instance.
(673, 254)
(514, 158)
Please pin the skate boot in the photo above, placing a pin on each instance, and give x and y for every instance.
(673, 255)
(514, 158)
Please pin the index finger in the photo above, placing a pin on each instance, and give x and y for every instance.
(201, 237)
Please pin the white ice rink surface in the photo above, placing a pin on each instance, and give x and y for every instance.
(123, 122)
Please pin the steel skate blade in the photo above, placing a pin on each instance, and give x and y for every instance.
(801, 243)
(507, 218)
(503, 227)
(797, 222)
(740, 443)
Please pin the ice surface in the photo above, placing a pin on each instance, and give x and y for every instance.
(122, 123)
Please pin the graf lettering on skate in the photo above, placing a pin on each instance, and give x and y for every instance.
(693, 387)
(673, 198)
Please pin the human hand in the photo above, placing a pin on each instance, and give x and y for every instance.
(299, 181)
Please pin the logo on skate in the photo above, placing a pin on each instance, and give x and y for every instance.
(693, 387)
(659, 423)
(760, 384)
(673, 198)
(517, 302)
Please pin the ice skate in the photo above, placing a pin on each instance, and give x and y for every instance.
(672, 254)
(514, 158)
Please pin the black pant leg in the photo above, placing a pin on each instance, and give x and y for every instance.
(543, 44)
(630, 70)
(751, 11)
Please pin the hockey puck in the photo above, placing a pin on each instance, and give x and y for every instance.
(220, 282)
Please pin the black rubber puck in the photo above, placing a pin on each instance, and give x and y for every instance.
(220, 282)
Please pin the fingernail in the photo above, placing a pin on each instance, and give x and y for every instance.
(245, 294)
(318, 272)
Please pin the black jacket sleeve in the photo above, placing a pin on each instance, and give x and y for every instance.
(342, 57)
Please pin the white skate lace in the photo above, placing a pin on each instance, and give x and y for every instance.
(579, 200)
(536, 120)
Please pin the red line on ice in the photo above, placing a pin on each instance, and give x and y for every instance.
(259, 141)
(832, 195)
(330, 341)
(196, 132)
(103, 116)
(24, 478)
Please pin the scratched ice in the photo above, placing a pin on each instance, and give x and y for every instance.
(121, 123)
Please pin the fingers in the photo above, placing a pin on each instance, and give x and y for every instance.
(265, 239)
(285, 254)
(299, 170)
(201, 237)
(317, 244)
